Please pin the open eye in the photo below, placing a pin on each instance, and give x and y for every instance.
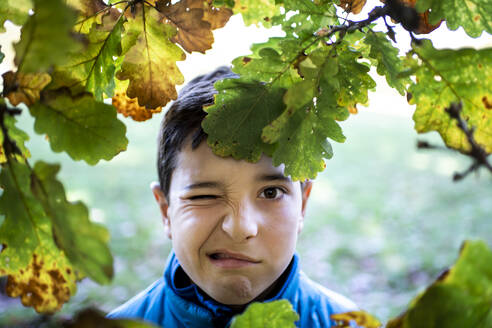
(272, 193)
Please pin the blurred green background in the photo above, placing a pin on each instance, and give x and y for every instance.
(383, 220)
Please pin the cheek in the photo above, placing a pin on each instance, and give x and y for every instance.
(191, 227)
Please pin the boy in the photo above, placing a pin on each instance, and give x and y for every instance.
(233, 227)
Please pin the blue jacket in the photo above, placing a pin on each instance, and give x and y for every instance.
(164, 304)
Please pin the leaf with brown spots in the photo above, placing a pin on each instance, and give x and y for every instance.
(475, 16)
(194, 33)
(353, 6)
(257, 11)
(150, 64)
(38, 271)
(24, 87)
(446, 76)
(85, 243)
(361, 318)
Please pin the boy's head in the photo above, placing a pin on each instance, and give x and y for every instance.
(233, 224)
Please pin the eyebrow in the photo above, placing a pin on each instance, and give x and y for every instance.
(204, 184)
(273, 177)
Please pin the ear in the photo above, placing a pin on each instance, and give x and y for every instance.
(163, 206)
(308, 185)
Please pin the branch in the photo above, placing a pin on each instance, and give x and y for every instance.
(477, 152)
(375, 14)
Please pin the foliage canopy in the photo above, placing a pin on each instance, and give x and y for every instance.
(291, 94)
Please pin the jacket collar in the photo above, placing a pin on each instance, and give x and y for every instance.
(189, 300)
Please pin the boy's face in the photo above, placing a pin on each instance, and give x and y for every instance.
(233, 224)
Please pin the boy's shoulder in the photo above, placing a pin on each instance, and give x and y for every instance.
(316, 303)
(319, 293)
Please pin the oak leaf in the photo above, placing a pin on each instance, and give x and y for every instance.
(24, 87)
(256, 11)
(52, 20)
(353, 6)
(93, 69)
(455, 76)
(475, 16)
(150, 63)
(16, 11)
(194, 33)
(38, 271)
(79, 125)
(276, 314)
(129, 107)
(361, 318)
(466, 285)
(216, 16)
(241, 109)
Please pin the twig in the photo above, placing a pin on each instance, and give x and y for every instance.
(423, 144)
(477, 152)
(375, 14)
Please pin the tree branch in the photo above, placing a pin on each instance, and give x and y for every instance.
(477, 152)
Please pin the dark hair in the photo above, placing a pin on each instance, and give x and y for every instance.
(183, 120)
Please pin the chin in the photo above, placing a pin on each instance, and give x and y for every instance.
(237, 292)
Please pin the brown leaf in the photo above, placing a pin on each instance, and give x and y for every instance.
(352, 6)
(24, 87)
(216, 16)
(194, 33)
(129, 107)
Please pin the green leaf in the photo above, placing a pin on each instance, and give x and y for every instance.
(256, 11)
(83, 242)
(38, 272)
(151, 63)
(309, 119)
(354, 80)
(16, 135)
(79, 125)
(460, 297)
(93, 69)
(2, 55)
(276, 314)
(447, 76)
(474, 15)
(235, 121)
(305, 17)
(16, 11)
(388, 62)
(45, 38)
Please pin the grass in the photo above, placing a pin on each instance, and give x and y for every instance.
(383, 220)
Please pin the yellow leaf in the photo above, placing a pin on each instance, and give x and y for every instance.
(361, 318)
(129, 107)
(150, 64)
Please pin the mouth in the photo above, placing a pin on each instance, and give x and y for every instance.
(228, 259)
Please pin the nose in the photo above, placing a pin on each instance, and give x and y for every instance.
(241, 222)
